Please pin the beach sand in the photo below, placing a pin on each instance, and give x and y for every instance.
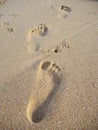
(48, 65)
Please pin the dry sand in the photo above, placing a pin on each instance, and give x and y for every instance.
(48, 65)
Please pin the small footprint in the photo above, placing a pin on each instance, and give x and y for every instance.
(48, 80)
(64, 11)
(32, 45)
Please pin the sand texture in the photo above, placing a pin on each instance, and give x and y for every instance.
(48, 64)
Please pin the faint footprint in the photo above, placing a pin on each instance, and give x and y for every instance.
(64, 11)
(32, 46)
(47, 83)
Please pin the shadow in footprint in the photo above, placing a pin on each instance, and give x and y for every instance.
(40, 113)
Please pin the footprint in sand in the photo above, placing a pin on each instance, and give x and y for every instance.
(64, 11)
(41, 30)
(47, 82)
(2, 1)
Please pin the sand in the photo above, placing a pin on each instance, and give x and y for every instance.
(48, 65)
